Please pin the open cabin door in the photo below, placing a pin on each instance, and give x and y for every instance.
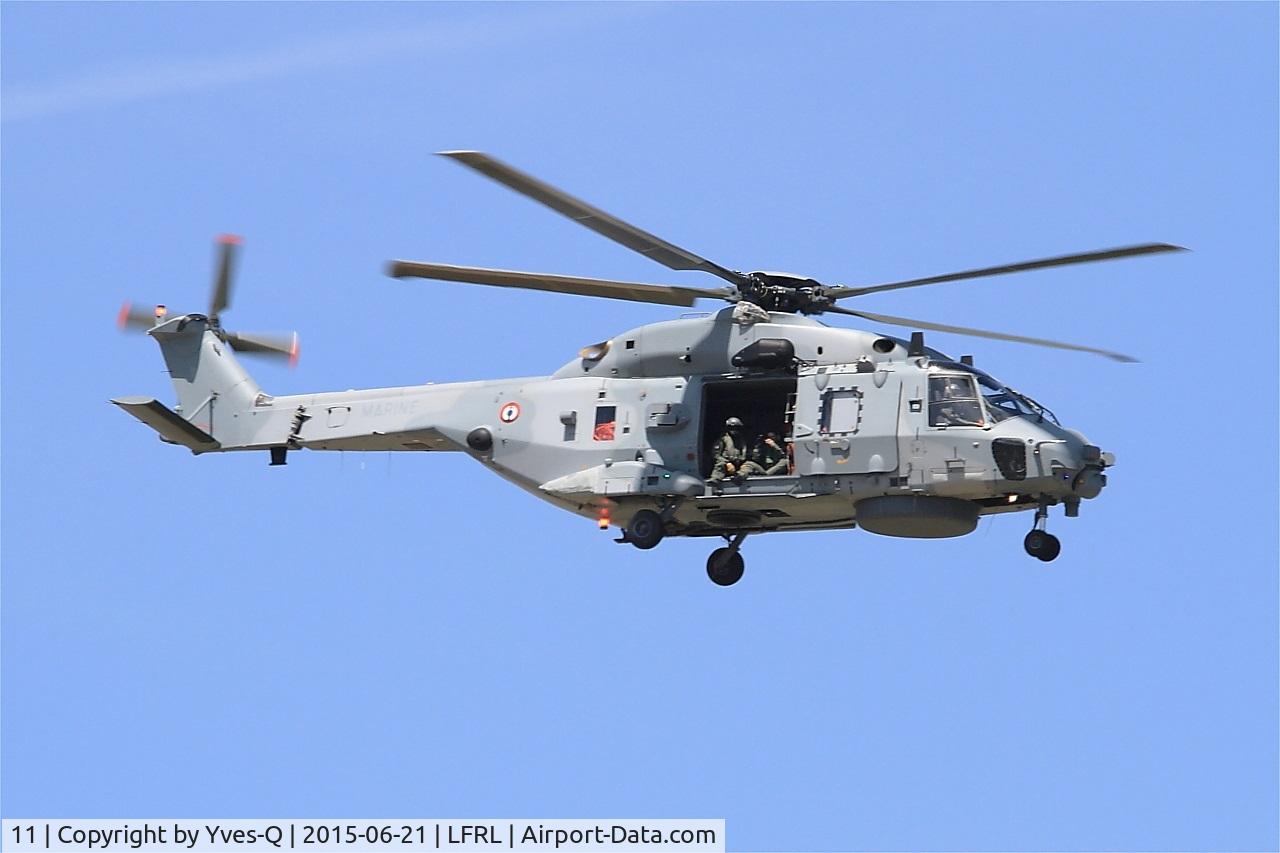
(762, 404)
(846, 419)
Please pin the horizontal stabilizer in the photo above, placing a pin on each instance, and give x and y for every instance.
(168, 423)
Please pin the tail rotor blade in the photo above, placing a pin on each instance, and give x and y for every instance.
(266, 343)
(228, 245)
(139, 317)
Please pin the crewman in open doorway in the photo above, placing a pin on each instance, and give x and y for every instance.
(767, 457)
(730, 452)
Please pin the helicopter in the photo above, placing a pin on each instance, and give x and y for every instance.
(880, 432)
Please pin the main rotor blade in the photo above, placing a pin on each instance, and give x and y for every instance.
(633, 291)
(653, 247)
(221, 297)
(1064, 260)
(976, 333)
(266, 343)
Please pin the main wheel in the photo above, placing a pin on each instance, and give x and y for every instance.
(725, 567)
(1042, 545)
(645, 529)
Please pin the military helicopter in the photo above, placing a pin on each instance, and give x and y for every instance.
(882, 433)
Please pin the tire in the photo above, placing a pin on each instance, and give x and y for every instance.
(725, 567)
(1042, 545)
(645, 530)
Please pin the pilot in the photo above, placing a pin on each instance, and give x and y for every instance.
(950, 388)
(767, 457)
(730, 452)
(952, 402)
(956, 413)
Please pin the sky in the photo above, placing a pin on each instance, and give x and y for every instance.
(359, 635)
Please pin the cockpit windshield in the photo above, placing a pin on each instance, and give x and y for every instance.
(1000, 401)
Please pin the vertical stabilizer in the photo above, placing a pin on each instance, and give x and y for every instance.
(210, 382)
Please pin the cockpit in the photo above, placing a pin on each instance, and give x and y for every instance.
(962, 395)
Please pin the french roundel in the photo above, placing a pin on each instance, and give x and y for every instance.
(509, 412)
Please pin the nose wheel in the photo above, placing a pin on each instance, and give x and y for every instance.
(725, 565)
(1040, 543)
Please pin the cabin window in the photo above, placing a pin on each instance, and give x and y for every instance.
(606, 423)
(953, 401)
(841, 409)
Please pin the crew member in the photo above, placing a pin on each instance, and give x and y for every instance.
(730, 452)
(767, 457)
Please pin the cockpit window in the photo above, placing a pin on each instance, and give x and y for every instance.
(953, 401)
(1002, 403)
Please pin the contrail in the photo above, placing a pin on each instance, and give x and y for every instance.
(301, 55)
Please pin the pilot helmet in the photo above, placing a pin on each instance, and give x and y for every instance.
(733, 423)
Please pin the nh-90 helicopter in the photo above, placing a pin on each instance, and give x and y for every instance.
(882, 433)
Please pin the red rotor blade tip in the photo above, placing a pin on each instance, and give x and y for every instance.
(122, 318)
(293, 353)
(230, 239)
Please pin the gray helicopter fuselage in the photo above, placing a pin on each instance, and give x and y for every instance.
(630, 425)
(877, 432)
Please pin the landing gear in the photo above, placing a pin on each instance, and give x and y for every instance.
(645, 530)
(1040, 543)
(725, 565)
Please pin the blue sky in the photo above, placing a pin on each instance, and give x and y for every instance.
(411, 636)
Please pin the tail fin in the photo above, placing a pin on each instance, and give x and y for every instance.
(210, 382)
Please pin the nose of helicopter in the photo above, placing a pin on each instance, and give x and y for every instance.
(1085, 465)
(1070, 465)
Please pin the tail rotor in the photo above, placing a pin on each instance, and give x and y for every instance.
(143, 318)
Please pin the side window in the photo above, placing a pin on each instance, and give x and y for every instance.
(606, 423)
(841, 408)
(953, 401)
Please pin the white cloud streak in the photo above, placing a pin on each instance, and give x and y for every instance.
(493, 30)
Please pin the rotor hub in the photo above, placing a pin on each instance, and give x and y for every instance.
(786, 293)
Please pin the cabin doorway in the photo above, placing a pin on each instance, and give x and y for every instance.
(763, 405)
